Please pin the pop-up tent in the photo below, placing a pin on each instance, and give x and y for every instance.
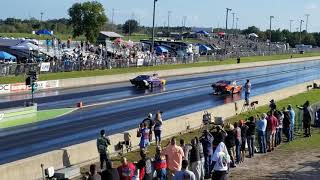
(253, 35)
(6, 56)
(44, 32)
(25, 46)
(161, 50)
(203, 32)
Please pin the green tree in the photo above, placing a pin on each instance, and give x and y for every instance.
(87, 19)
(251, 29)
(130, 26)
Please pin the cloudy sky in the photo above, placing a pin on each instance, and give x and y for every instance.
(204, 13)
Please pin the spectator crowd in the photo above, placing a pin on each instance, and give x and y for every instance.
(210, 156)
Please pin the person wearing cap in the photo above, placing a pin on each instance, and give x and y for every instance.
(145, 166)
(272, 105)
(292, 121)
(149, 124)
(244, 129)
(237, 131)
(306, 118)
(102, 145)
(272, 122)
(261, 127)
(207, 141)
(144, 137)
(160, 164)
(230, 142)
(195, 161)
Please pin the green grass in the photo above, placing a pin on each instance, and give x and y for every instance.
(77, 74)
(136, 37)
(40, 116)
(34, 36)
(301, 143)
(313, 96)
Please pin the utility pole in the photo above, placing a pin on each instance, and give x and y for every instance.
(112, 22)
(301, 21)
(233, 21)
(153, 21)
(169, 13)
(41, 14)
(270, 35)
(307, 21)
(291, 25)
(226, 33)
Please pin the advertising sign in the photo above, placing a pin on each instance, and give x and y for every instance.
(140, 62)
(45, 67)
(4, 88)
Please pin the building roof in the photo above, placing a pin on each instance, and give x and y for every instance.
(111, 34)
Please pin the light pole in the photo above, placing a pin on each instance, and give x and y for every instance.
(270, 35)
(233, 21)
(301, 21)
(153, 21)
(307, 21)
(169, 13)
(237, 21)
(41, 15)
(291, 25)
(225, 40)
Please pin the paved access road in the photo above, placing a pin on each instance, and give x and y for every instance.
(126, 106)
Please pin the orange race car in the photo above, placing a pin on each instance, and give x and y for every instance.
(226, 87)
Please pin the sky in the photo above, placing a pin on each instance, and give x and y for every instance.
(199, 13)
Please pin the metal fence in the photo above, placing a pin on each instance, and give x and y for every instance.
(77, 64)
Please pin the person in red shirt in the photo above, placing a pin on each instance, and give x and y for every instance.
(272, 123)
(126, 170)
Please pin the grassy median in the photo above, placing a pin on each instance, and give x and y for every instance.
(77, 74)
(39, 116)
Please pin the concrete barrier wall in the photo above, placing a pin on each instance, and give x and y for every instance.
(87, 81)
(85, 153)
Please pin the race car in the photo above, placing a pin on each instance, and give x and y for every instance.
(146, 81)
(226, 87)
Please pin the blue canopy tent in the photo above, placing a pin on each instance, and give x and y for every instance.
(6, 56)
(203, 32)
(203, 49)
(161, 50)
(44, 32)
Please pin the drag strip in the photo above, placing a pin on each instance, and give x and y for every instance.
(183, 95)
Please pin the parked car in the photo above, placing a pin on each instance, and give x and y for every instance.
(226, 87)
(147, 81)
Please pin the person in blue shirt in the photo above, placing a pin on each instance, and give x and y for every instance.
(206, 139)
(261, 127)
(292, 121)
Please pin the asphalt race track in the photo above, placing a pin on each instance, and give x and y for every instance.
(127, 106)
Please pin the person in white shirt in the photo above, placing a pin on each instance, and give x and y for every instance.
(184, 174)
(247, 92)
(221, 160)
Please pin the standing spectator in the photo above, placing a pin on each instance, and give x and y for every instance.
(251, 135)
(272, 105)
(126, 170)
(221, 160)
(93, 173)
(186, 149)
(184, 173)
(158, 128)
(145, 167)
(306, 119)
(144, 136)
(247, 87)
(69, 42)
(261, 127)
(160, 164)
(279, 116)
(244, 129)
(195, 163)
(149, 124)
(201, 157)
(206, 140)
(174, 155)
(286, 124)
(102, 145)
(230, 142)
(271, 130)
(292, 121)
(110, 172)
(238, 141)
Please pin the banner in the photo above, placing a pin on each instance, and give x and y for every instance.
(19, 87)
(4, 88)
(45, 67)
(140, 62)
